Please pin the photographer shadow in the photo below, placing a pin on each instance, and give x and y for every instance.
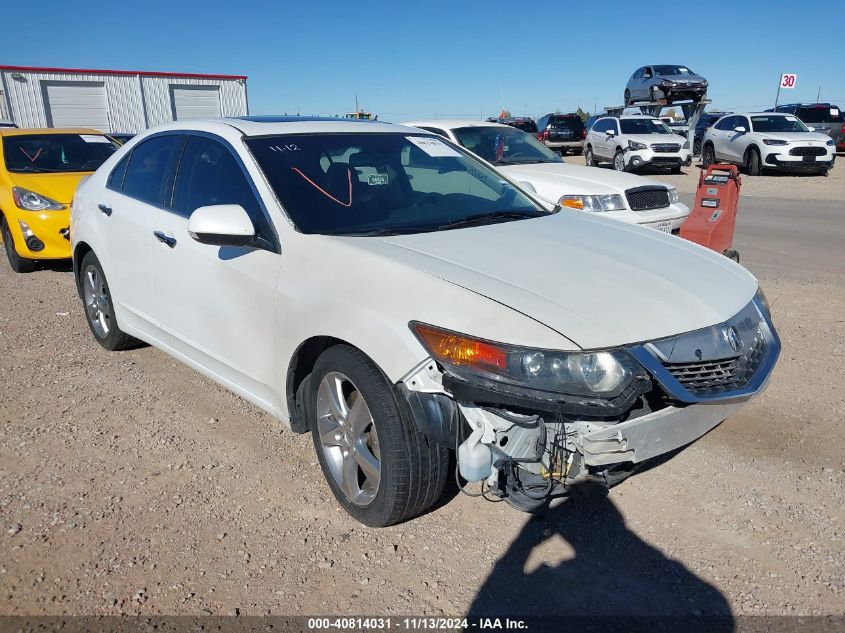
(605, 572)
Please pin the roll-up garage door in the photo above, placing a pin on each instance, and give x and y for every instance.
(76, 104)
(195, 102)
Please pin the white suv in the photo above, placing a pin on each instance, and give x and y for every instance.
(767, 140)
(522, 157)
(390, 293)
(634, 141)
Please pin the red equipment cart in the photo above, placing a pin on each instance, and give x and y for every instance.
(713, 218)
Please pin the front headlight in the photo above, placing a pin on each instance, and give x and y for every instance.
(686, 144)
(31, 201)
(673, 196)
(830, 142)
(599, 373)
(610, 202)
(774, 141)
(636, 145)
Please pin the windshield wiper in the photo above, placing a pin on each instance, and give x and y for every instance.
(489, 218)
(530, 161)
(29, 168)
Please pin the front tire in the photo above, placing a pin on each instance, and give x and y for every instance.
(379, 467)
(17, 263)
(753, 166)
(589, 158)
(99, 309)
(619, 160)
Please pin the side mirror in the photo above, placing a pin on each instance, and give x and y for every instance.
(811, 129)
(610, 132)
(221, 225)
(740, 129)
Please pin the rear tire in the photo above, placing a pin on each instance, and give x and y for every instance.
(708, 156)
(379, 467)
(696, 147)
(589, 158)
(752, 163)
(17, 263)
(99, 309)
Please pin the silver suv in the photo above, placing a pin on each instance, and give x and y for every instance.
(634, 141)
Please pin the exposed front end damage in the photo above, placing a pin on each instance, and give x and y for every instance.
(528, 447)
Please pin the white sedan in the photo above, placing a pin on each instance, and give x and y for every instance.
(617, 195)
(390, 293)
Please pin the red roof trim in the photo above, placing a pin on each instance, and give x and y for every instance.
(94, 71)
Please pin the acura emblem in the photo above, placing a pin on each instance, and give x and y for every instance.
(731, 337)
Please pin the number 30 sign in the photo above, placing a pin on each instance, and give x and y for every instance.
(787, 80)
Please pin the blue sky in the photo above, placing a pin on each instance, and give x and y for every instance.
(414, 60)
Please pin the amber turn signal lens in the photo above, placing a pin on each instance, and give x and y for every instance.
(456, 349)
(572, 202)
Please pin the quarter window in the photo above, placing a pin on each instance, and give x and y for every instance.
(115, 180)
(150, 169)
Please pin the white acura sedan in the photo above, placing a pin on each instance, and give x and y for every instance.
(618, 195)
(389, 292)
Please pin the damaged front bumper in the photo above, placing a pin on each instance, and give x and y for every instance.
(690, 384)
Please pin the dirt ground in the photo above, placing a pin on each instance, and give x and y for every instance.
(130, 484)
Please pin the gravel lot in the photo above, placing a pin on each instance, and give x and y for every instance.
(130, 484)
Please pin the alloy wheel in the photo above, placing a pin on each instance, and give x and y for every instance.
(348, 438)
(619, 162)
(96, 301)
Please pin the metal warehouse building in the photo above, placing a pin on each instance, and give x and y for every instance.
(115, 100)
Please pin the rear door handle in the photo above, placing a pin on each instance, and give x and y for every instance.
(105, 209)
(166, 239)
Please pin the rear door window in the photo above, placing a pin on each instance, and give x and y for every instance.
(149, 174)
(826, 114)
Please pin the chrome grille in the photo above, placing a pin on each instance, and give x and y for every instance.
(647, 198)
(719, 376)
(808, 151)
(666, 148)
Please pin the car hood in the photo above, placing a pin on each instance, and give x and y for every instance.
(652, 139)
(798, 137)
(59, 187)
(683, 79)
(575, 179)
(598, 282)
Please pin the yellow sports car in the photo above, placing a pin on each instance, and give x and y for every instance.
(39, 171)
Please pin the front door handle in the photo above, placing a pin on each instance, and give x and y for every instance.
(166, 239)
(104, 209)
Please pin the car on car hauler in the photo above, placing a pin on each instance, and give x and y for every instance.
(620, 196)
(392, 294)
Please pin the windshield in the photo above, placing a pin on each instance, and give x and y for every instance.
(672, 70)
(53, 153)
(777, 123)
(359, 184)
(505, 146)
(644, 126)
(830, 114)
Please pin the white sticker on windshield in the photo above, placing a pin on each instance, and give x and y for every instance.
(433, 146)
(683, 70)
(94, 138)
(834, 112)
(790, 118)
(657, 121)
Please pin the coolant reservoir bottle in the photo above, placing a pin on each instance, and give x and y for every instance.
(475, 461)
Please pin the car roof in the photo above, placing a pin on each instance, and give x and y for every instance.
(451, 124)
(269, 125)
(17, 131)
